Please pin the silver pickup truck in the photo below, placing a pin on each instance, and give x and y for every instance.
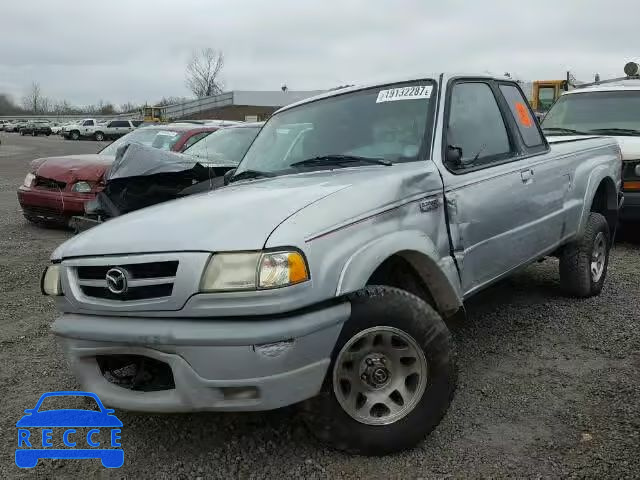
(324, 273)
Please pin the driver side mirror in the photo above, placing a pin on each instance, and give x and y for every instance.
(454, 156)
(229, 175)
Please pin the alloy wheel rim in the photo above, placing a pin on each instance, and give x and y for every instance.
(598, 257)
(380, 375)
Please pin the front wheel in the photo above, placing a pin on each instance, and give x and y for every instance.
(391, 379)
(583, 263)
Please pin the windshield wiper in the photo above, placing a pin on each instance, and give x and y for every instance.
(569, 131)
(616, 131)
(248, 174)
(340, 161)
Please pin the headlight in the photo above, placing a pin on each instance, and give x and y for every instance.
(253, 271)
(81, 187)
(50, 284)
(28, 180)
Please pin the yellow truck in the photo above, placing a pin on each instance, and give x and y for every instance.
(153, 114)
(545, 92)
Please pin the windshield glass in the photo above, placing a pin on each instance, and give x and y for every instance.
(386, 122)
(145, 136)
(226, 146)
(585, 112)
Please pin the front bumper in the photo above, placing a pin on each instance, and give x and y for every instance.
(238, 364)
(631, 209)
(51, 203)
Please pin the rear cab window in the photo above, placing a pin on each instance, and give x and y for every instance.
(523, 116)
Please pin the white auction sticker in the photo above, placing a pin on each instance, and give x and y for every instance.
(404, 93)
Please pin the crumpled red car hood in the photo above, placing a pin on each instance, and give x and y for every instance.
(72, 168)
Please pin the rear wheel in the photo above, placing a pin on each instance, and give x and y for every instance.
(75, 135)
(583, 263)
(99, 136)
(391, 379)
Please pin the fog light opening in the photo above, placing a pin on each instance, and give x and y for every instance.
(136, 372)
(240, 393)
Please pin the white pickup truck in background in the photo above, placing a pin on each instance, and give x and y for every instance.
(92, 128)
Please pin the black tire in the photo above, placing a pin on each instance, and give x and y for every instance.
(391, 307)
(99, 136)
(576, 278)
(75, 135)
(47, 222)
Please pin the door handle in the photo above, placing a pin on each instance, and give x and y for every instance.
(527, 176)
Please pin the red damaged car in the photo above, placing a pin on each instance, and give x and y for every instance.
(56, 188)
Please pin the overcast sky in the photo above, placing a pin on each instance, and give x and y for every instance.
(136, 50)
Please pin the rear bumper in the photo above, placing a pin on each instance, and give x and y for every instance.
(631, 209)
(242, 364)
(57, 204)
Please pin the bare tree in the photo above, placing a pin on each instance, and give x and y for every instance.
(164, 101)
(128, 107)
(34, 101)
(203, 71)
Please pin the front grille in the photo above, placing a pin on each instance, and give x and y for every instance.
(144, 280)
(137, 270)
(49, 184)
(134, 293)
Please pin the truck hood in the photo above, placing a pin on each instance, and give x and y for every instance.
(236, 217)
(72, 168)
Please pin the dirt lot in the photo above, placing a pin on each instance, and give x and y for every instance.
(549, 386)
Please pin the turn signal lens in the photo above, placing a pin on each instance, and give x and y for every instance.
(630, 186)
(280, 269)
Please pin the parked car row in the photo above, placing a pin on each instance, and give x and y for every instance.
(56, 189)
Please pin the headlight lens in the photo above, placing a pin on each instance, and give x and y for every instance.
(28, 180)
(280, 269)
(51, 284)
(81, 187)
(230, 271)
(239, 271)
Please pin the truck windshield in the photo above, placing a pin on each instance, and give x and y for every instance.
(384, 124)
(606, 113)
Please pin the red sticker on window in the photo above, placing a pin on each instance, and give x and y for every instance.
(523, 114)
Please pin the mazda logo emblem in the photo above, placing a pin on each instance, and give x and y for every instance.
(117, 280)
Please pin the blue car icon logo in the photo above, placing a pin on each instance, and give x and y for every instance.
(61, 433)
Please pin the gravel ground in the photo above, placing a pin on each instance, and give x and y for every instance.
(549, 386)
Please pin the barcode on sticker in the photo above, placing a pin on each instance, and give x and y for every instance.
(404, 93)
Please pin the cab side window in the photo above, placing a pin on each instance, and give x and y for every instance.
(527, 126)
(476, 126)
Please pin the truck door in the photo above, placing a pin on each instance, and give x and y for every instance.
(488, 191)
(86, 125)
